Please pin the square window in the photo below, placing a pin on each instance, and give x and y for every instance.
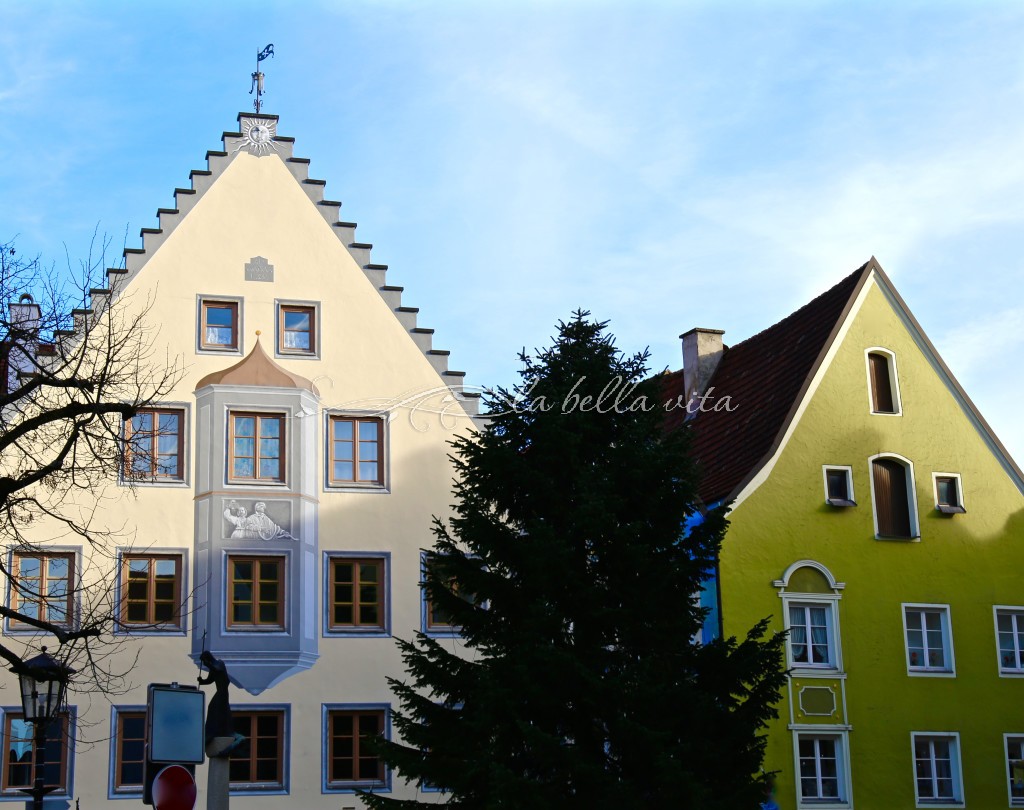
(929, 640)
(937, 778)
(351, 762)
(259, 762)
(218, 329)
(357, 594)
(154, 441)
(811, 635)
(1015, 768)
(151, 591)
(356, 451)
(256, 588)
(297, 329)
(256, 447)
(19, 754)
(839, 486)
(948, 497)
(129, 750)
(42, 588)
(1010, 640)
(821, 768)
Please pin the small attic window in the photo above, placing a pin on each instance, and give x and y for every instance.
(882, 382)
(839, 486)
(948, 497)
(218, 325)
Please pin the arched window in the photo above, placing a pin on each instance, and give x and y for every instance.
(884, 387)
(892, 489)
(810, 595)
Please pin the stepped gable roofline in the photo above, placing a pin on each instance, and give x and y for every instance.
(768, 377)
(257, 369)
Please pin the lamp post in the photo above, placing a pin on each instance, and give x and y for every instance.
(43, 681)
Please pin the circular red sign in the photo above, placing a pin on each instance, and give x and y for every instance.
(174, 788)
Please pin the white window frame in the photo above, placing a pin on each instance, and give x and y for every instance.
(956, 768)
(829, 606)
(894, 381)
(915, 522)
(1017, 611)
(918, 671)
(825, 470)
(827, 600)
(842, 739)
(959, 508)
(1011, 800)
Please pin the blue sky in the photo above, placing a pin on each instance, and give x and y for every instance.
(665, 165)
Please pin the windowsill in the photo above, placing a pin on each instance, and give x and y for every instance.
(922, 672)
(255, 630)
(279, 355)
(264, 790)
(916, 538)
(1012, 673)
(940, 803)
(355, 632)
(822, 804)
(176, 483)
(352, 787)
(950, 509)
(886, 413)
(840, 502)
(150, 630)
(255, 482)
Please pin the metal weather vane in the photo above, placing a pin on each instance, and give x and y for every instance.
(257, 77)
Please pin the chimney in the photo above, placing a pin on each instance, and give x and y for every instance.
(22, 329)
(702, 351)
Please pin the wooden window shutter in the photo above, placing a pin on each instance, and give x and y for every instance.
(881, 384)
(892, 506)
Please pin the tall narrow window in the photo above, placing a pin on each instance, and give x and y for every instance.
(357, 455)
(130, 751)
(19, 754)
(883, 391)
(892, 498)
(153, 445)
(1010, 639)
(151, 591)
(219, 328)
(296, 329)
(258, 764)
(1015, 768)
(256, 592)
(351, 761)
(257, 447)
(43, 588)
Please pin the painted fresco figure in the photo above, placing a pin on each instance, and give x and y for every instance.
(257, 526)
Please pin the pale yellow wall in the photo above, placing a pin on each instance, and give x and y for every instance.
(970, 562)
(256, 208)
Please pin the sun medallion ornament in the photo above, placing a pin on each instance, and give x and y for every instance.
(258, 136)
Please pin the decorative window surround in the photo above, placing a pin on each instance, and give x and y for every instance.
(68, 611)
(809, 607)
(342, 719)
(127, 755)
(257, 447)
(928, 637)
(357, 630)
(838, 485)
(157, 559)
(256, 585)
(343, 448)
(937, 773)
(254, 772)
(949, 493)
(288, 330)
(161, 462)
(219, 325)
(60, 754)
(883, 399)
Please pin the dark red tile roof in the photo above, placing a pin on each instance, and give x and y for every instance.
(764, 377)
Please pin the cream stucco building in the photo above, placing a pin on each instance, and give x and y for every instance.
(284, 490)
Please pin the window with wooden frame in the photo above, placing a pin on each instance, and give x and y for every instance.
(43, 588)
(19, 753)
(882, 381)
(218, 330)
(892, 487)
(356, 451)
(256, 592)
(256, 447)
(129, 751)
(296, 329)
(357, 594)
(154, 443)
(948, 496)
(258, 764)
(350, 760)
(151, 591)
(437, 619)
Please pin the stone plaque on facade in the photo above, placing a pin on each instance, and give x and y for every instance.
(259, 269)
(817, 700)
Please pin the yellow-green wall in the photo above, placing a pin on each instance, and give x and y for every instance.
(969, 561)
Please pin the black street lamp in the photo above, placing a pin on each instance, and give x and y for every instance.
(43, 681)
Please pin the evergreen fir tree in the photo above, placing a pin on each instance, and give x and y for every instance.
(567, 570)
